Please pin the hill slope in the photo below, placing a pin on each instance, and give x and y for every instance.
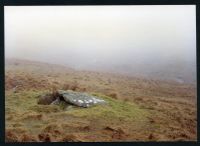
(139, 109)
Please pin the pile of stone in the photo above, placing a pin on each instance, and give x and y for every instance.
(75, 98)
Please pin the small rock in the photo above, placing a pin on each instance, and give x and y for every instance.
(56, 102)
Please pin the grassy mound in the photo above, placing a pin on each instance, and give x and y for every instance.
(114, 109)
(23, 113)
(27, 101)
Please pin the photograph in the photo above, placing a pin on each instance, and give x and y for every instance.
(100, 73)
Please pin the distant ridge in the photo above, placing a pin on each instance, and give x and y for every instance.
(33, 62)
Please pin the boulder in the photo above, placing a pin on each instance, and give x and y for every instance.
(79, 99)
(70, 97)
(46, 99)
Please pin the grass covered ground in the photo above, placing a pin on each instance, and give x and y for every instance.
(25, 115)
(137, 109)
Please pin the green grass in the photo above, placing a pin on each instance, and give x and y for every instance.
(27, 101)
(114, 109)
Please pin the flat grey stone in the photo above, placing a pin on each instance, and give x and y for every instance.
(80, 99)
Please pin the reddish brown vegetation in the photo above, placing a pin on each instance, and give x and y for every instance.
(70, 138)
(10, 136)
(28, 138)
(44, 137)
(113, 95)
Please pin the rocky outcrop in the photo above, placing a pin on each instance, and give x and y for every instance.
(71, 97)
(79, 99)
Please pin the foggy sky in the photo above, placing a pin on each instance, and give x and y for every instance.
(87, 36)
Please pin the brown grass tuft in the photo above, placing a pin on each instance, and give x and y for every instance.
(44, 137)
(126, 99)
(113, 95)
(10, 136)
(66, 87)
(33, 117)
(74, 87)
(28, 138)
(69, 138)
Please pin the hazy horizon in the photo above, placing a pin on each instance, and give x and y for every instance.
(125, 39)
